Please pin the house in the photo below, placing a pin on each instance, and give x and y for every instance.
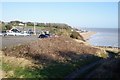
(21, 24)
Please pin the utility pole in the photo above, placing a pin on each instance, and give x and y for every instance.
(34, 29)
(24, 27)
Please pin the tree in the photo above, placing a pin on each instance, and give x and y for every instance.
(15, 23)
(41, 24)
(30, 24)
(8, 26)
(2, 25)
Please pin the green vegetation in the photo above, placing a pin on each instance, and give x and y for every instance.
(54, 28)
(7, 27)
(76, 35)
(103, 55)
(58, 69)
(54, 70)
(20, 23)
(18, 72)
(58, 56)
(56, 31)
(52, 57)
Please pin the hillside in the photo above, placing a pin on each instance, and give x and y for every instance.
(55, 45)
(51, 57)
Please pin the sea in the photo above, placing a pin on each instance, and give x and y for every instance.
(108, 37)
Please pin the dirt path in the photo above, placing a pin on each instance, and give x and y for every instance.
(86, 68)
(82, 70)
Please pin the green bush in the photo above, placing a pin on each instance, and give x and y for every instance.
(60, 32)
(76, 35)
(8, 26)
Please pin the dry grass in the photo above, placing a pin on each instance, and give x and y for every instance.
(58, 56)
(52, 49)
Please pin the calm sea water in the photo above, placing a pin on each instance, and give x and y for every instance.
(104, 37)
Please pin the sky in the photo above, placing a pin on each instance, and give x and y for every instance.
(60, 0)
(76, 14)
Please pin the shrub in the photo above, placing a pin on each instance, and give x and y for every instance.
(76, 35)
(8, 26)
(60, 32)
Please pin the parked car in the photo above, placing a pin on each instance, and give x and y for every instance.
(17, 34)
(30, 31)
(12, 33)
(24, 34)
(1, 34)
(43, 36)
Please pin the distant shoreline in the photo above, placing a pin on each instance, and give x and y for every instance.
(87, 35)
(108, 47)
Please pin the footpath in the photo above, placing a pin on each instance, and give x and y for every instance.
(79, 72)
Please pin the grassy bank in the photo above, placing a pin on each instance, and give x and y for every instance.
(50, 58)
(30, 69)
(107, 69)
(53, 70)
(53, 30)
